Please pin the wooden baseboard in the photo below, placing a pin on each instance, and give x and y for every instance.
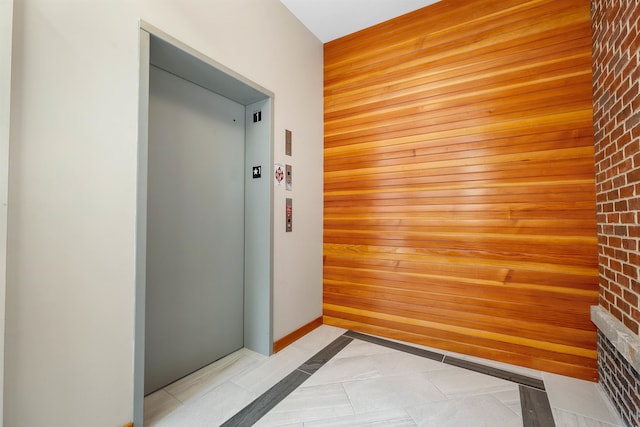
(297, 334)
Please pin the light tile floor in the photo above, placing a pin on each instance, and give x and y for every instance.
(366, 384)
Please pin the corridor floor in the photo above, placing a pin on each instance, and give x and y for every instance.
(334, 377)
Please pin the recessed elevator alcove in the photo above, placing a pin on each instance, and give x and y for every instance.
(204, 240)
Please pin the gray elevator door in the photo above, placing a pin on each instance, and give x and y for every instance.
(195, 229)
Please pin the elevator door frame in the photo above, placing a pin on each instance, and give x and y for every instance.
(158, 48)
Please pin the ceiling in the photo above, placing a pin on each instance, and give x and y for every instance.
(332, 19)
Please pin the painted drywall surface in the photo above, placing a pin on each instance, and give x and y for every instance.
(72, 194)
(70, 256)
(6, 28)
(262, 41)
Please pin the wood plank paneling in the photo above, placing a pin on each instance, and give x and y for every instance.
(459, 182)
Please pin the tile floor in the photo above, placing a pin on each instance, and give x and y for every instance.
(367, 384)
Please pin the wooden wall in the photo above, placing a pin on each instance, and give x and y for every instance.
(459, 182)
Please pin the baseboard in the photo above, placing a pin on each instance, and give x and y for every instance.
(297, 334)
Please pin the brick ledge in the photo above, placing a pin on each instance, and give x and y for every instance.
(625, 341)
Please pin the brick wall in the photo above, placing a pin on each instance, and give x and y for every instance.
(616, 85)
(619, 380)
(616, 98)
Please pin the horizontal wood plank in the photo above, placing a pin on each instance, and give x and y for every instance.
(459, 202)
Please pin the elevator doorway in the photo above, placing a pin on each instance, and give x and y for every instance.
(195, 228)
(204, 252)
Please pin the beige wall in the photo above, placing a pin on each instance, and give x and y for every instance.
(6, 23)
(72, 188)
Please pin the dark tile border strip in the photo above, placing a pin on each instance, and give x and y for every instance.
(257, 409)
(536, 410)
(495, 372)
(396, 345)
(323, 356)
(454, 361)
(534, 402)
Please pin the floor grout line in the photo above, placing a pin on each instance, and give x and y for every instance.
(257, 409)
(453, 361)
(534, 401)
(495, 372)
(396, 345)
(533, 397)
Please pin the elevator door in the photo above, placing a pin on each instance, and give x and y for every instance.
(195, 229)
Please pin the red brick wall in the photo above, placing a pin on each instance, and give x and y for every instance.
(616, 115)
(616, 97)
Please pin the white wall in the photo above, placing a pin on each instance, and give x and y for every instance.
(72, 188)
(6, 24)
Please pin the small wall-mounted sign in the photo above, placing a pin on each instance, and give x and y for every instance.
(278, 174)
(287, 142)
(257, 172)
